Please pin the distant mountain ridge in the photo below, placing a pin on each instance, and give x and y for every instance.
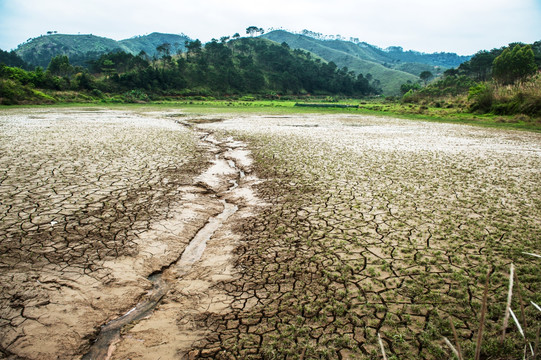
(39, 51)
(392, 67)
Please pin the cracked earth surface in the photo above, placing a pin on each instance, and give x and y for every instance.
(379, 226)
(332, 229)
(91, 203)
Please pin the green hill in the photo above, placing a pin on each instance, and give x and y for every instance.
(39, 51)
(391, 68)
(81, 48)
(149, 43)
(247, 67)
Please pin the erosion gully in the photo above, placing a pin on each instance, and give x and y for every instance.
(110, 333)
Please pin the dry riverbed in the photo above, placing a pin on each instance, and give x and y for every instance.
(260, 236)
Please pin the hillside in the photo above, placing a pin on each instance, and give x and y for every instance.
(251, 67)
(39, 51)
(81, 48)
(444, 59)
(392, 68)
(149, 43)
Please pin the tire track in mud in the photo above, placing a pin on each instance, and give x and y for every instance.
(223, 183)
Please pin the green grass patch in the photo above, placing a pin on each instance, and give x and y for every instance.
(453, 115)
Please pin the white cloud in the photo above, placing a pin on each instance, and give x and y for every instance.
(463, 26)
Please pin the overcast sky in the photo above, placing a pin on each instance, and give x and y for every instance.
(461, 26)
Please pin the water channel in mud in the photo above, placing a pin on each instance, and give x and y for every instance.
(222, 171)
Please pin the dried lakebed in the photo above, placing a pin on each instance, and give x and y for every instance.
(260, 236)
(99, 213)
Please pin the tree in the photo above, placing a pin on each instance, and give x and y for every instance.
(164, 49)
(252, 30)
(108, 67)
(165, 53)
(12, 59)
(481, 65)
(193, 47)
(60, 66)
(83, 81)
(425, 76)
(514, 64)
(450, 72)
(409, 86)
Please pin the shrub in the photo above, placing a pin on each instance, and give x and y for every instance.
(482, 97)
(136, 96)
(523, 97)
(12, 93)
(411, 96)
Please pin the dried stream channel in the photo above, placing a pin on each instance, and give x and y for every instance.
(222, 177)
(92, 201)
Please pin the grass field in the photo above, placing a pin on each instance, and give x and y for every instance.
(457, 115)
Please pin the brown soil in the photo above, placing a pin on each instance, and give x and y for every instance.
(361, 226)
(93, 202)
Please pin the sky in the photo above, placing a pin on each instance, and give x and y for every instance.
(460, 26)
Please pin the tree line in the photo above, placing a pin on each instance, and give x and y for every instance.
(505, 65)
(504, 81)
(240, 66)
(222, 67)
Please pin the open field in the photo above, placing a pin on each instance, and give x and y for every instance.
(325, 231)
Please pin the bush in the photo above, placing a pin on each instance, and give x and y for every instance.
(97, 93)
(12, 93)
(532, 106)
(136, 96)
(482, 97)
(411, 96)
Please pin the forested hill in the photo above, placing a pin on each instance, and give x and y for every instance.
(240, 67)
(392, 67)
(150, 43)
(80, 48)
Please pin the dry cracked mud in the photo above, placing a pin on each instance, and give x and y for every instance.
(265, 237)
(92, 203)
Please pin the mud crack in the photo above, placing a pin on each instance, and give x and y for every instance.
(183, 285)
